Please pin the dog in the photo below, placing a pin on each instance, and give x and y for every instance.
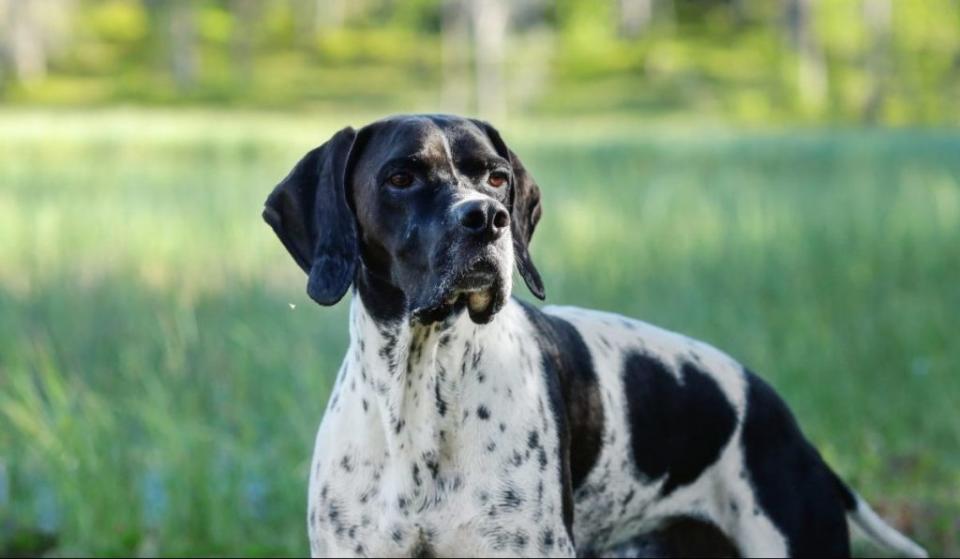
(464, 422)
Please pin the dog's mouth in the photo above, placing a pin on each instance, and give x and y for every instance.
(478, 288)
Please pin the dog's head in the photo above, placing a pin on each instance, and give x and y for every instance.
(430, 212)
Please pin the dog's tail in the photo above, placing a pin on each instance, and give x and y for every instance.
(874, 527)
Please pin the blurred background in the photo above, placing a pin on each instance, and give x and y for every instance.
(779, 178)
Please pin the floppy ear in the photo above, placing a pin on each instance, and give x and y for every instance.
(524, 211)
(308, 210)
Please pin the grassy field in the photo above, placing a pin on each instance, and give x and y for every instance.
(162, 372)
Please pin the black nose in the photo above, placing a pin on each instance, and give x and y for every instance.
(483, 217)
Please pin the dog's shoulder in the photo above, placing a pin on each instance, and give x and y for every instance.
(631, 350)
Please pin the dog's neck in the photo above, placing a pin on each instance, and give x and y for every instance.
(417, 374)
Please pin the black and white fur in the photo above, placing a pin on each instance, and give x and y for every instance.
(464, 422)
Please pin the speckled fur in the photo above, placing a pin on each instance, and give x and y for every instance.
(429, 444)
(616, 502)
(442, 440)
(426, 445)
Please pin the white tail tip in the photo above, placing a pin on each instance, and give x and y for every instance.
(881, 533)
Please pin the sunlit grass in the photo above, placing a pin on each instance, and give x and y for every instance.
(159, 395)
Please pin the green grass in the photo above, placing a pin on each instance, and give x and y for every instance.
(158, 394)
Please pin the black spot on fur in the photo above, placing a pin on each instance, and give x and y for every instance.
(575, 401)
(441, 404)
(684, 537)
(797, 490)
(511, 498)
(423, 550)
(849, 499)
(677, 429)
(546, 541)
(434, 468)
(520, 540)
(483, 413)
(533, 439)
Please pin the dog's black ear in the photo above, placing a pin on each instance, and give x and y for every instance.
(308, 210)
(525, 211)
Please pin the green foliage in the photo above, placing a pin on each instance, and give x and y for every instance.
(159, 395)
(726, 59)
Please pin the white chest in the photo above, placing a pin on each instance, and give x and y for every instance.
(438, 442)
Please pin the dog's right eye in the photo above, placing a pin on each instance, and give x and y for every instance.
(401, 180)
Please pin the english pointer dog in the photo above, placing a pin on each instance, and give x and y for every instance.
(464, 422)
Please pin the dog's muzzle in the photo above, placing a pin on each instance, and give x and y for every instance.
(478, 263)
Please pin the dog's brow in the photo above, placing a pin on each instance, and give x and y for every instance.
(476, 164)
(413, 161)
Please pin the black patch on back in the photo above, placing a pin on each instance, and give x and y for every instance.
(849, 499)
(677, 429)
(796, 489)
(686, 536)
(574, 399)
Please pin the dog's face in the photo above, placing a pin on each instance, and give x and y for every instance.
(434, 209)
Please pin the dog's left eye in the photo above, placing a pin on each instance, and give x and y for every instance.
(497, 179)
(401, 180)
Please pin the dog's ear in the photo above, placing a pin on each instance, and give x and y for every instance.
(525, 210)
(308, 210)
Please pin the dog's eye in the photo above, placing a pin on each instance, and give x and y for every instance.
(401, 180)
(497, 179)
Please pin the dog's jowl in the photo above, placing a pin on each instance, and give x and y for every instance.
(466, 423)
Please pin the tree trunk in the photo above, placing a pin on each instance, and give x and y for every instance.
(330, 14)
(455, 56)
(245, 17)
(184, 61)
(489, 20)
(877, 15)
(811, 69)
(634, 17)
(26, 49)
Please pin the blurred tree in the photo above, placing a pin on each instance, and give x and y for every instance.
(245, 14)
(848, 60)
(877, 15)
(635, 16)
(455, 56)
(25, 45)
(811, 68)
(489, 19)
(178, 38)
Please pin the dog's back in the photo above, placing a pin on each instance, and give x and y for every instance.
(692, 437)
